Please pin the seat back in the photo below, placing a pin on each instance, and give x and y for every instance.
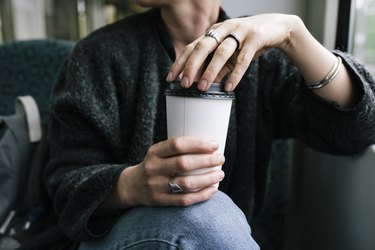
(30, 68)
(332, 201)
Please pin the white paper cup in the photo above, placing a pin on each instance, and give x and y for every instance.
(191, 112)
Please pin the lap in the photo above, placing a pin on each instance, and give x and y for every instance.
(206, 225)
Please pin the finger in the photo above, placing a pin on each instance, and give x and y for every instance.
(186, 199)
(226, 70)
(184, 163)
(194, 183)
(200, 73)
(183, 145)
(242, 63)
(197, 59)
(222, 54)
(180, 62)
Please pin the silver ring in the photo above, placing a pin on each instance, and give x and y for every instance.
(236, 38)
(173, 186)
(212, 33)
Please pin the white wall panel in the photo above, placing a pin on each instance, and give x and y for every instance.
(251, 7)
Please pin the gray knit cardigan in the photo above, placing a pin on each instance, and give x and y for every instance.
(108, 108)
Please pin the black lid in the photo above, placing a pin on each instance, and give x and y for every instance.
(216, 91)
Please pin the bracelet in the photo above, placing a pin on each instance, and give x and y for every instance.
(330, 76)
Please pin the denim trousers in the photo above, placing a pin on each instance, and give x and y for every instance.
(213, 224)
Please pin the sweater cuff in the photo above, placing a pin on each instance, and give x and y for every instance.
(314, 104)
(77, 220)
(97, 227)
(329, 123)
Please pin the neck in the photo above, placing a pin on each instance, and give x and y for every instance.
(188, 20)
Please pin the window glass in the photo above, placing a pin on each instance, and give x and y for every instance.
(364, 33)
(1, 30)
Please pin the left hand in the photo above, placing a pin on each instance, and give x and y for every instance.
(255, 35)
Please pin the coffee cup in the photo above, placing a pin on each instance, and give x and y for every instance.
(191, 112)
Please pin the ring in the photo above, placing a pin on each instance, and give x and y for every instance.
(236, 38)
(212, 33)
(173, 186)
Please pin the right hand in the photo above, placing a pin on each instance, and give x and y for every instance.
(147, 183)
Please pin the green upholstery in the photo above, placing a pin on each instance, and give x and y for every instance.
(30, 68)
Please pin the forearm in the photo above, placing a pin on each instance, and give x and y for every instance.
(314, 62)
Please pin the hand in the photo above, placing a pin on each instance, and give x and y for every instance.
(255, 35)
(147, 183)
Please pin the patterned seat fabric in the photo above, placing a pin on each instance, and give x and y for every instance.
(30, 68)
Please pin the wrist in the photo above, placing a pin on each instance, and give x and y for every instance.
(112, 204)
(125, 189)
(296, 34)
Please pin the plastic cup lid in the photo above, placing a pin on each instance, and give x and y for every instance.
(216, 91)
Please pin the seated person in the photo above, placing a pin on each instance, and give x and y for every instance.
(111, 161)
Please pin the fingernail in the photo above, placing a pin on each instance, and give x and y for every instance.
(214, 145)
(221, 175)
(221, 158)
(202, 85)
(229, 87)
(185, 82)
(169, 77)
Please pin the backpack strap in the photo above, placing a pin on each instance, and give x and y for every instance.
(28, 105)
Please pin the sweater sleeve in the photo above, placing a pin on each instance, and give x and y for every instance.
(320, 124)
(85, 145)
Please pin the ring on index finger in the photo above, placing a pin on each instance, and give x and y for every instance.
(212, 33)
(236, 38)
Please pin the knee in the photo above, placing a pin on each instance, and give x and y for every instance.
(215, 224)
(215, 215)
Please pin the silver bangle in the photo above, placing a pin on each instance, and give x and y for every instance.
(329, 77)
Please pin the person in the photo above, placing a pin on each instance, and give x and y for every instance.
(111, 162)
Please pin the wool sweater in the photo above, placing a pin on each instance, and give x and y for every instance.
(108, 108)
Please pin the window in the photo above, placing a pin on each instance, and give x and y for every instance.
(1, 30)
(355, 30)
(364, 32)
